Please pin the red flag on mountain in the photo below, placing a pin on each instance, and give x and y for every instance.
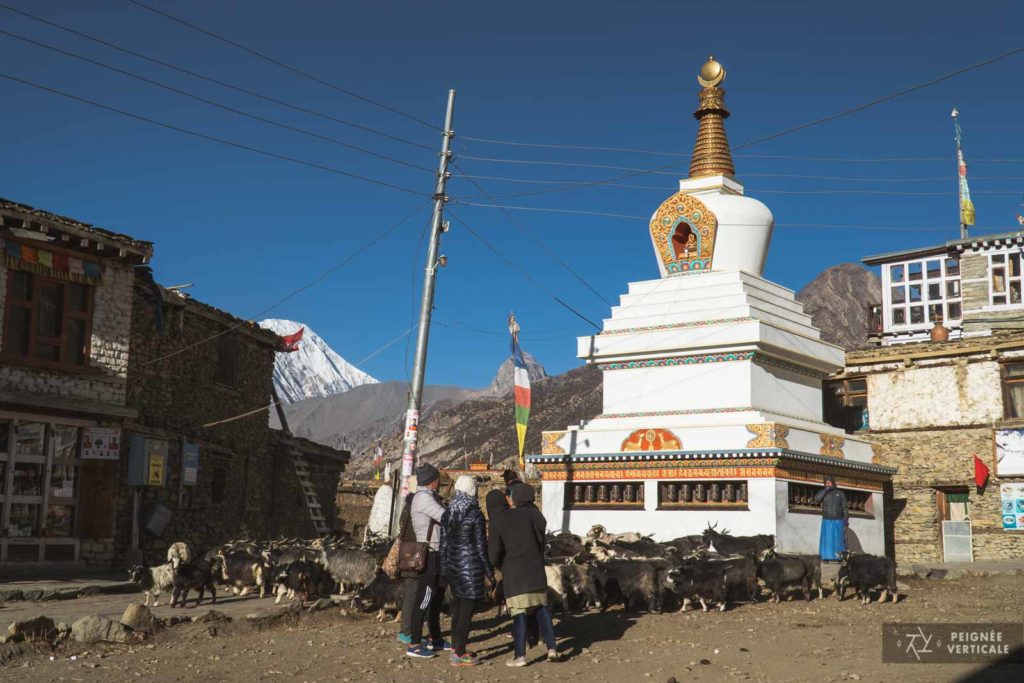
(980, 472)
(290, 342)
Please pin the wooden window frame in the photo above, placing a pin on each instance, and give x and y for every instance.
(1005, 381)
(67, 314)
(741, 495)
(1008, 279)
(948, 271)
(231, 381)
(846, 395)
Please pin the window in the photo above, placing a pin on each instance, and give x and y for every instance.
(614, 494)
(1013, 390)
(47, 321)
(1005, 279)
(227, 352)
(727, 494)
(846, 404)
(921, 293)
(801, 499)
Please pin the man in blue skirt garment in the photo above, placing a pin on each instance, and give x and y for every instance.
(835, 517)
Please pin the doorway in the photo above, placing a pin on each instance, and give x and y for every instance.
(955, 521)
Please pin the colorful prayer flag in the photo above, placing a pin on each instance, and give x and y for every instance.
(46, 258)
(91, 269)
(75, 266)
(60, 263)
(29, 254)
(521, 382)
(966, 205)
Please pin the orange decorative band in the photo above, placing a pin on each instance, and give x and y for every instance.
(679, 360)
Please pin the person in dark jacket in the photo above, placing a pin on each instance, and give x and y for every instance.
(835, 517)
(464, 564)
(517, 546)
(497, 503)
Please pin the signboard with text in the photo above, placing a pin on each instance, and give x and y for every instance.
(1012, 499)
(190, 464)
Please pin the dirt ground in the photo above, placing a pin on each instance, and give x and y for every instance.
(824, 640)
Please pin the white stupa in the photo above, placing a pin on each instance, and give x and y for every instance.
(712, 384)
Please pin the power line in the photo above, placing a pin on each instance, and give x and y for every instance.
(283, 65)
(215, 81)
(646, 218)
(803, 126)
(529, 278)
(815, 122)
(218, 105)
(526, 231)
(210, 138)
(274, 404)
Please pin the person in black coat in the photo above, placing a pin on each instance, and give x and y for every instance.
(517, 546)
(464, 564)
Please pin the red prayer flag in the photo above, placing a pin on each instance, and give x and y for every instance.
(980, 472)
(290, 342)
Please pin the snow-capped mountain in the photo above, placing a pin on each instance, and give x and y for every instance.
(315, 370)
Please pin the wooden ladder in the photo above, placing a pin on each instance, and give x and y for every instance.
(316, 512)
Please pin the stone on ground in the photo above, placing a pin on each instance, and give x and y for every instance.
(139, 618)
(95, 628)
(37, 627)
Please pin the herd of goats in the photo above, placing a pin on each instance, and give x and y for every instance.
(599, 570)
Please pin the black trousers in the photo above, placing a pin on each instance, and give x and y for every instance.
(427, 605)
(462, 620)
(409, 605)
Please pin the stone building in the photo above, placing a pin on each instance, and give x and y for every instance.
(66, 305)
(132, 416)
(193, 372)
(932, 404)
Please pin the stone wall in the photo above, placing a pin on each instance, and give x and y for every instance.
(111, 327)
(929, 419)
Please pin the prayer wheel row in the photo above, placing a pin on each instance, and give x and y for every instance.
(631, 492)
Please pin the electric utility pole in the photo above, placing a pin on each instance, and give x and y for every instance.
(438, 226)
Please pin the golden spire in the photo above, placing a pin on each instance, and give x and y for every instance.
(711, 155)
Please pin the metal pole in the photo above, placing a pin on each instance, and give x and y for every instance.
(438, 226)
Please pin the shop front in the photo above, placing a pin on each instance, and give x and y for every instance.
(57, 482)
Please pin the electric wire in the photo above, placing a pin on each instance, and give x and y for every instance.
(218, 105)
(777, 225)
(211, 138)
(283, 65)
(529, 278)
(793, 129)
(543, 245)
(787, 131)
(215, 81)
(274, 404)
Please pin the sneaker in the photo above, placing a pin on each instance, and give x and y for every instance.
(468, 659)
(405, 638)
(419, 652)
(516, 661)
(441, 646)
(553, 656)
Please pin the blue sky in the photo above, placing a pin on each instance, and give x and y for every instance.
(247, 229)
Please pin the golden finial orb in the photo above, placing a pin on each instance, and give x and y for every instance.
(711, 74)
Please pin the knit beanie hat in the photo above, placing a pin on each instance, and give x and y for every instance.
(522, 494)
(466, 484)
(426, 475)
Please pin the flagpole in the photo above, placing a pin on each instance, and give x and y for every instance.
(438, 226)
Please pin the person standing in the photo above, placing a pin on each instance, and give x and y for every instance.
(464, 564)
(517, 546)
(426, 513)
(835, 517)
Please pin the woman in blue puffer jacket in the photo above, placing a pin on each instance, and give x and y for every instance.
(464, 563)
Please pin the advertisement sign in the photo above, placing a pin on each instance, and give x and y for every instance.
(101, 443)
(190, 464)
(1009, 452)
(1012, 506)
(156, 469)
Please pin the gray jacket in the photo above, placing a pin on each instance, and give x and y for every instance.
(833, 504)
(425, 507)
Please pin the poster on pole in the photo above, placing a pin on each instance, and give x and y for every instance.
(1009, 446)
(190, 464)
(101, 443)
(1012, 506)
